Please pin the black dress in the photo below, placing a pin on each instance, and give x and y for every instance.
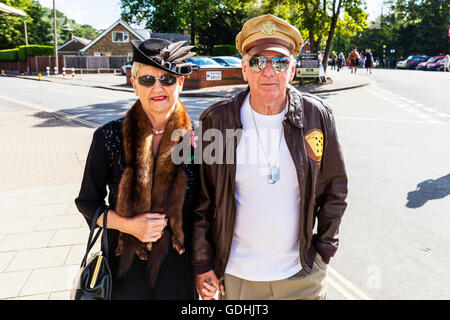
(369, 60)
(105, 165)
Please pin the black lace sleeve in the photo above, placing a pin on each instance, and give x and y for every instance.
(96, 173)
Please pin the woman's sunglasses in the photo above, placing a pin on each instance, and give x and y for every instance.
(258, 63)
(165, 80)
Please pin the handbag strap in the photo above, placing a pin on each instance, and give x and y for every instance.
(105, 233)
(91, 242)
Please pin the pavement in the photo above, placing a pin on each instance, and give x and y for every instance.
(42, 234)
(337, 82)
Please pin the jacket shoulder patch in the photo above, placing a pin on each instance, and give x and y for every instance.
(314, 144)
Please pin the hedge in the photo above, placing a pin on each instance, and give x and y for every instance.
(21, 53)
(35, 50)
(224, 50)
(9, 55)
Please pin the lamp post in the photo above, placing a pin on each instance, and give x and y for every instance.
(55, 42)
(26, 33)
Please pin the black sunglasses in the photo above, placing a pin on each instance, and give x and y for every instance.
(165, 80)
(258, 63)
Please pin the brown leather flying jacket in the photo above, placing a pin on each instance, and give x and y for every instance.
(322, 182)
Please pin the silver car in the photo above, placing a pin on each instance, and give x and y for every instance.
(204, 63)
(228, 61)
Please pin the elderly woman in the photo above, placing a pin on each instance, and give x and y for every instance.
(150, 196)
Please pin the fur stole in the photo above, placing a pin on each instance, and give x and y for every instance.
(151, 184)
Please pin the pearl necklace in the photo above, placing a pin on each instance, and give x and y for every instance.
(157, 131)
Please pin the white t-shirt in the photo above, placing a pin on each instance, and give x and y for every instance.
(265, 244)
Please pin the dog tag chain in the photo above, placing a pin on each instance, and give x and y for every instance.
(274, 171)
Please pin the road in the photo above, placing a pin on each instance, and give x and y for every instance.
(394, 241)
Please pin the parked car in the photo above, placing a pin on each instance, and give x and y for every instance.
(204, 63)
(402, 64)
(423, 65)
(413, 61)
(124, 67)
(228, 61)
(437, 65)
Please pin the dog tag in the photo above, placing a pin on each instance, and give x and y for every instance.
(274, 175)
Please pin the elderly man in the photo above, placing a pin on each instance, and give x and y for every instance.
(254, 218)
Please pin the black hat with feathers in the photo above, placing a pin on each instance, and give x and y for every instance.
(163, 54)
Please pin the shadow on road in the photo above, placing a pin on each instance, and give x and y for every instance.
(102, 113)
(429, 190)
(99, 113)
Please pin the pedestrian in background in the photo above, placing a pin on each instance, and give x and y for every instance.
(333, 60)
(150, 197)
(368, 61)
(254, 219)
(354, 60)
(341, 60)
(447, 63)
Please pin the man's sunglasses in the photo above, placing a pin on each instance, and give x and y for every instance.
(165, 80)
(258, 63)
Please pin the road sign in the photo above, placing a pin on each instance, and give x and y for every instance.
(213, 75)
(307, 65)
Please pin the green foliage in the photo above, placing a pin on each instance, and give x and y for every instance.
(39, 26)
(224, 50)
(409, 27)
(9, 55)
(35, 50)
(22, 52)
(209, 21)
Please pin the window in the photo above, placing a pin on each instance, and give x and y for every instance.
(120, 37)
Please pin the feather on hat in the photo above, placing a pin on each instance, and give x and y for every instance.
(163, 54)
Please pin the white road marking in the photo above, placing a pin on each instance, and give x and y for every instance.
(61, 91)
(28, 85)
(347, 284)
(339, 289)
(393, 120)
(410, 108)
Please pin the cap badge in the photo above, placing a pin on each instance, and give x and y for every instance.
(269, 27)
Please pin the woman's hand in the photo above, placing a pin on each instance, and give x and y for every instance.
(147, 227)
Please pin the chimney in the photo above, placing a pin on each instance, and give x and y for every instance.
(186, 31)
(71, 36)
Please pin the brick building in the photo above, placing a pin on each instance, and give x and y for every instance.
(73, 46)
(115, 41)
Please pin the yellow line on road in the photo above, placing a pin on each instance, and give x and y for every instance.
(57, 113)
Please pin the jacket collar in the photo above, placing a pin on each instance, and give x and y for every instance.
(295, 107)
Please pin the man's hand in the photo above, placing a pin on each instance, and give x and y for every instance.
(207, 284)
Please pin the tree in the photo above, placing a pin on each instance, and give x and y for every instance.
(206, 19)
(39, 26)
(410, 27)
(422, 26)
(317, 19)
(12, 33)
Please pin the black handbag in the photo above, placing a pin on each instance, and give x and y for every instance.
(94, 280)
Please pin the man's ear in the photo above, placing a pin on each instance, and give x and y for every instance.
(292, 73)
(244, 70)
